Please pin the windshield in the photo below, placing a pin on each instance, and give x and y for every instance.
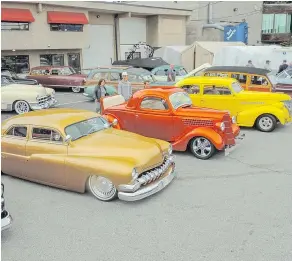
(87, 127)
(5, 81)
(182, 72)
(180, 99)
(236, 87)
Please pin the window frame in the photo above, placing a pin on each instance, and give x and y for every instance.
(288, 27)
(13, 65)
(17, 137)
(155, 110)
(60, 25)
(46, 141)
(62, 63)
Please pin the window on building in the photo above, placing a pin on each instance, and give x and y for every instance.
(74, 61)
(14, 26)
(276, 23)
(136, 55)
(52, 59)
(67, 27)
(16, 63)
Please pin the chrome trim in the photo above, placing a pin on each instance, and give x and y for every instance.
(238, 141)
(6, 222)
(150, 189)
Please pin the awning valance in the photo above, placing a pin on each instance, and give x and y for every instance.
(55, 17)
(16, 15)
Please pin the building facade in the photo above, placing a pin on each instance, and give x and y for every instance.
(276, 25)
(83, 34)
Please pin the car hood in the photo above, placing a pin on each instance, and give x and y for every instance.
(118, 145)
(200, 113)
(25, 88)
(262, 96)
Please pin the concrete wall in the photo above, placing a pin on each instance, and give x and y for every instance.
(39, 36)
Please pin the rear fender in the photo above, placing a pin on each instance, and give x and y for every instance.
(248, 118)
(214, 137)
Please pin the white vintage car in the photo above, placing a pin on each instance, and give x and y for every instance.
(22, 98)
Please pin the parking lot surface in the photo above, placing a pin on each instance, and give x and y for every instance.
(234, 208)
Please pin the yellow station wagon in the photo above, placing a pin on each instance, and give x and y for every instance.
(262, 110)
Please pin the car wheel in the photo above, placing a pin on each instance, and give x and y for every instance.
(266, 123)
(21, 107)
(102, 188)
(202, 148)
(76, 89)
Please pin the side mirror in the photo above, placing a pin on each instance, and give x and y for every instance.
(68, 139)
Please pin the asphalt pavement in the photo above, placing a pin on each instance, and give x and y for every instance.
(234, 208)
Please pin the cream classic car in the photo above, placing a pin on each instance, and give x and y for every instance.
(22, 98)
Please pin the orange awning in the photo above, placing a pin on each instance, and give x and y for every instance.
(55, 17)
(16, 15)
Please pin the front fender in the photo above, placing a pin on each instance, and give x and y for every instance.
(217, 140)
(80, 167)
(247, 118)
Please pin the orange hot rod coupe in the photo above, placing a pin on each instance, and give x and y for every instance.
(168, 114)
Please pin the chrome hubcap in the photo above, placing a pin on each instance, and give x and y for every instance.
(21, 107)
(102, 187)
(76, 89)
(202, 147)
(266, 123)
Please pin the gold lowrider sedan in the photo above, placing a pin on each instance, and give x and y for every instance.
(78, 149)
(23, 98)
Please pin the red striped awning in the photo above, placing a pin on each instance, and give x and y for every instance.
(16, 15)
(55, 17)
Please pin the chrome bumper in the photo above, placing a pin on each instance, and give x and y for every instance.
(6, 222)
(46, 105)
(152, 188)
(238, 140)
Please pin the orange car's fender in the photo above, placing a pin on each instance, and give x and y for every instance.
(182, 143)
(109, 117)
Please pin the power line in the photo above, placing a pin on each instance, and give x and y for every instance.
(246, 14)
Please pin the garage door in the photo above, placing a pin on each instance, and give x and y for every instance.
(100, 51)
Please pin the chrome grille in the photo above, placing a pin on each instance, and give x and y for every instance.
(42, 100)
(199, 123)
(155, 173)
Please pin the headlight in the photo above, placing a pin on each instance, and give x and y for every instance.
(170, 149)
(2, 190)
(233, 119)
(135, 174)
(222, 126)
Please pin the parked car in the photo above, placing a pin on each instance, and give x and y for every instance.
(72, 149)
(6, 72)
(58, 77)
(282, 82)
(89, 91)
(113, 75)
(22, 98)
(6, 219)
(250, 78)
(161, 72)
(168, 114)
(262, 110)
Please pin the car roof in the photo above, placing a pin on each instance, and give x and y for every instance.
(207, 80)
(132, 70)
(55, 118)
(166, 90)
(240, 69)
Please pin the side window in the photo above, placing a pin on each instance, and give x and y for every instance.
(192, 89)
(259, 80)
(152, 103)
(115, 76)
(161, 73)
(100, 75)
(216, 74)
(46, 134)
(216, 90)
(133, 78)
(17, 131)
(239, 77)
(55, 71)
